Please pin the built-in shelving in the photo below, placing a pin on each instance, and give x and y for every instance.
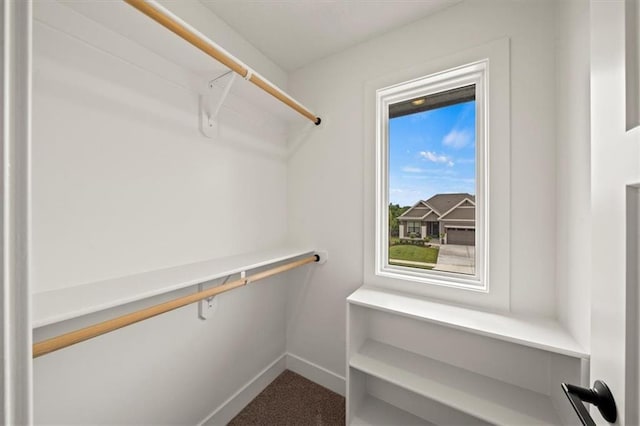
(58, 305)
(539, 333)
(479, 396)
(375, 412)
(451, 364)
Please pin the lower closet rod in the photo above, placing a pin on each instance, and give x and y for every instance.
(62, 341)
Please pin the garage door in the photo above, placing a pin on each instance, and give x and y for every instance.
(466, 237)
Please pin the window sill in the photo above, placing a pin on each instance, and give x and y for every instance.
(534, 332)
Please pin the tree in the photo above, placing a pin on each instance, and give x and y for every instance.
(394, 224)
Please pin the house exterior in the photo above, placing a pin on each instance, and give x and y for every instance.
(451, 215)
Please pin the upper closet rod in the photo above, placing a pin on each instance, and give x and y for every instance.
(168, 20)
(64, 340)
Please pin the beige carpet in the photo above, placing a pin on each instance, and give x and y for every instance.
(293, 400)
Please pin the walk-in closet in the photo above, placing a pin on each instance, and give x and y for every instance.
(320, 212)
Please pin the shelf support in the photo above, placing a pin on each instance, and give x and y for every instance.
(208, 306)
(208, 112)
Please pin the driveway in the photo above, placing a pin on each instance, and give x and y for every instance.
(456, 258)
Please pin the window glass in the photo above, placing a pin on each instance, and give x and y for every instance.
(432, 181)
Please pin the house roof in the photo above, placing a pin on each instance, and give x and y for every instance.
(416, 213)
(442, 203)
(421, 214)
(419, 209)
(458, 206)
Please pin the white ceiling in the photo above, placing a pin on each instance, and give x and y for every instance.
(294, 33)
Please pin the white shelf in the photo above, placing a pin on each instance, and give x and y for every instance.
(534, 332)
(122, 31)
(374, 412)
(479, 396)
(58, 305)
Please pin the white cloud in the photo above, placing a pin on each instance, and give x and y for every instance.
(409, 169)
(457, 138)
(437, 158)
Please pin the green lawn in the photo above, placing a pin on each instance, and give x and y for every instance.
(414, 253)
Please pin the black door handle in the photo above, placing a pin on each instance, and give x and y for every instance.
(599, 395)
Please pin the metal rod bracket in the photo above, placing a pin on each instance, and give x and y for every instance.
(322, 256)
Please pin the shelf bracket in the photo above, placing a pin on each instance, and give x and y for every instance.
(208, 306)
(209, 110)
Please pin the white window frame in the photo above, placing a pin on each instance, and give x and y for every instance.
(498, 192)
(469, 74)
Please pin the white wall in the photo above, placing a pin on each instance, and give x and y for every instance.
(123, 182)
(573, 237)
(326, 175)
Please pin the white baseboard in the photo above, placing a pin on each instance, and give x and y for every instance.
(232, 406)
(316, 374)
(236, 402)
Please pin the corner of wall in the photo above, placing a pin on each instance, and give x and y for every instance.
(572, 201)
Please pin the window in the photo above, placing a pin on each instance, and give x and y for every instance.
(430, 178)
(413, 229)
(433, 229)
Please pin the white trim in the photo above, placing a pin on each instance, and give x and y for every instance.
(16, 403)
(236, 402)
(316, 374)
(459, 227)
(497, 180)
(458, 220)
(458, 205)
(475, 73)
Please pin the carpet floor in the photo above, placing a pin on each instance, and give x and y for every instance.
(294, 401)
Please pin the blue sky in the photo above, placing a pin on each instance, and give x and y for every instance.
(432, 152)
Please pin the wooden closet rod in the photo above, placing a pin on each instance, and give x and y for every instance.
(165, 18)
(62, 341)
